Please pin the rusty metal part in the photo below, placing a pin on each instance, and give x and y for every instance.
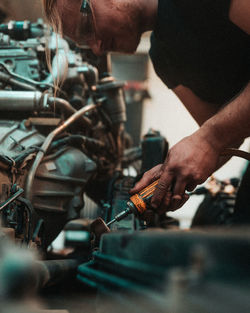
(42, 121)
(9, 232)
(98, 227)
(47, 143)
(78, 224)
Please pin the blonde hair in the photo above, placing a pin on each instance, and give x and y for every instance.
(52, 15)
(54, 20)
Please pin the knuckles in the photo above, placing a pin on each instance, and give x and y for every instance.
(153, 173)
(161, 186)
(186, 174)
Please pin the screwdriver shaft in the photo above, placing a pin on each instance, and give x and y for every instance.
(120, 216)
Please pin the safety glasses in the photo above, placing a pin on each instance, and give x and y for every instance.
(85, 7)
(87, 28)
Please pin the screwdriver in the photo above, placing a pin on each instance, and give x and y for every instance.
(138, 203)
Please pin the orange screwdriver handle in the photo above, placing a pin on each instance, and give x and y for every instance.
(141, 199)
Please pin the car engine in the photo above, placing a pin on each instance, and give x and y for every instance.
(56, 143)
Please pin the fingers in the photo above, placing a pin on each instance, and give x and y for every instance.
(148, 178)
(169, 196)
(162, 191)
(172, 203)
(178, 194)
(178, 202)
(191, 187)
(167, 199)
(165, 204)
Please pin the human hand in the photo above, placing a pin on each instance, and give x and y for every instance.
(189, 163)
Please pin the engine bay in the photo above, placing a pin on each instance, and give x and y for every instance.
(63, 140)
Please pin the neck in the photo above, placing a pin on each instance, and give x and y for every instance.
(148, 14)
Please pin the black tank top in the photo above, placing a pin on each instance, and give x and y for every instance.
(195, 44)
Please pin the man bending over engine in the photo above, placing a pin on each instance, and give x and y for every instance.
(201, 50)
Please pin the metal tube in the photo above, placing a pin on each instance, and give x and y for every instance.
(46, 144)
(51, 272)
(31, 101)
(27, 81)
(90, 74)
(11, 199)
(67, 107)
(25, 101)
(7, 79)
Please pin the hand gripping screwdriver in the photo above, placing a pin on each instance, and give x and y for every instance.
(138, 203)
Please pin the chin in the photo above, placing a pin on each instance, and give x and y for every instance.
(125, 44)
(129, 50)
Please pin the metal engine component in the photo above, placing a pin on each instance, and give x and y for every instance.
(23, 30)
(17, 59)
(115, 104)
(22, 101)
(98, 227)
(20, 42)
(52, 147)
(154, 149)
(59, 181)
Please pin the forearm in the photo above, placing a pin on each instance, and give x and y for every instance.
(230, 125)
(225, 158)
(192, 160)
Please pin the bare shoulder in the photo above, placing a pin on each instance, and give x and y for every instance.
(239, 14)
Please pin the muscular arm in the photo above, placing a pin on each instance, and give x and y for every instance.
(228, 126)
(196, 157)
(231, 124)
(192, 160)
(201, 111)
